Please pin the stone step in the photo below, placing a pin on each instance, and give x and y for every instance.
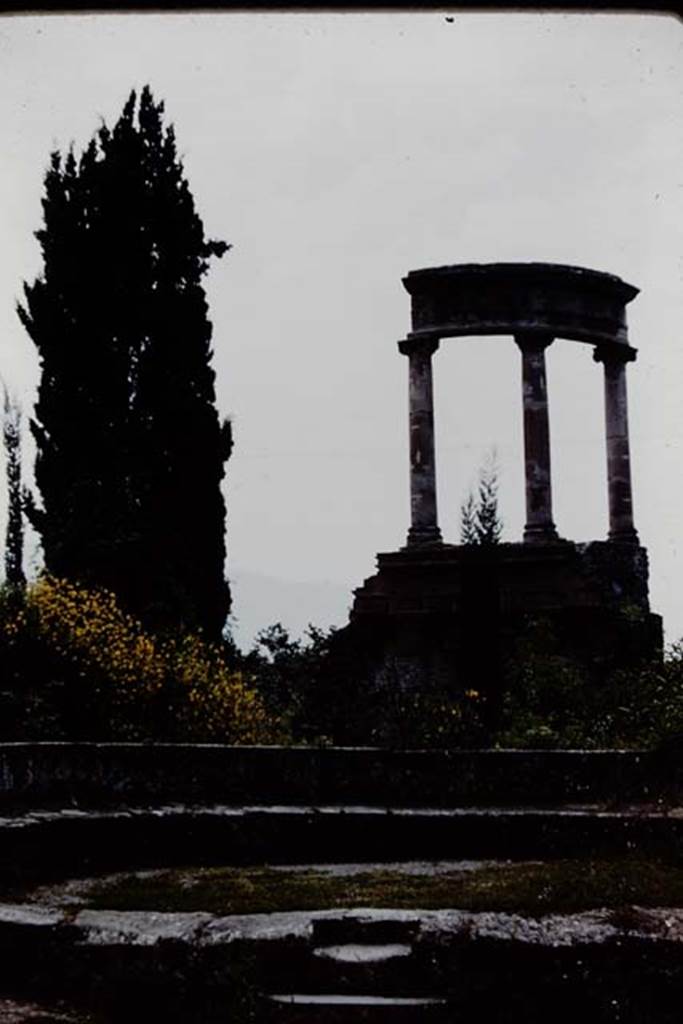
(348, 967)
(364, 969)
(339, 930)
(338, 1008)
(357, 953)
(398, 976)
(50, 845)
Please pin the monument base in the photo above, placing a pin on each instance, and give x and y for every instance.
(449, 617)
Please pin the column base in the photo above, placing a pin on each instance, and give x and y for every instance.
(542, 533)
(419, 535)
(627, 536)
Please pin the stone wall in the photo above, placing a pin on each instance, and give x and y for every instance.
(50, 774)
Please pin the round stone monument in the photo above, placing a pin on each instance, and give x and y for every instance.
(450, 614)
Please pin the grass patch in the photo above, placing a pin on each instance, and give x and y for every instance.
(562, 886)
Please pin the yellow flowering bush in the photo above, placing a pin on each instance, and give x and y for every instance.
(105, 676)
(88, 627)
(218, 700)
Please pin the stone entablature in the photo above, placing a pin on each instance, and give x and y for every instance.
(509, 298)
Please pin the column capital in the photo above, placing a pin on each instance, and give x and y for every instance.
(424, 346)
(533, 341)
(614, 354)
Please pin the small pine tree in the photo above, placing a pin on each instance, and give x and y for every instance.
(489, 525)
(14, 537)
(468, 521)
(480, 522)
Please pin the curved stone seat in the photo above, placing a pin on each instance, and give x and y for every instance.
(45, 846)
(48, 775)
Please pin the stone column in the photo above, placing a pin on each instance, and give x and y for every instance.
(424, 528)
(615, 358)
(539, 504)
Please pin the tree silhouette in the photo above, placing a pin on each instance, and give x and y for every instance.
(468, 521)
(14, 536)
(130, 447)
(480, 522)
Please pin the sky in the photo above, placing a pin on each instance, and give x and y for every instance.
(336, 152)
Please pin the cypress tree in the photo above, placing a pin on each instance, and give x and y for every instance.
(14, 536)
(130, 447)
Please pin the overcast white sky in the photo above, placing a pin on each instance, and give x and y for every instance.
(337, 152)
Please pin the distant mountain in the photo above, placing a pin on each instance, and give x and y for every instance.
(259, 601)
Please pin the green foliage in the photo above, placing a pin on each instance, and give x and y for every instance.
(288, 676)
(130, 448)
(76, 666)
(343, 692)
(433, 720)
(642, 707)
(527, 887)
(551, 702)
(358, 698)
(14, 538)
(544, 695)
(480, 521)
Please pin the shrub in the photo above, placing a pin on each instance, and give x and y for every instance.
(290, 675)
(218, 703)
(642, 707)
(80, 667)
(549, 701)
(430, 720)
(544, 694)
